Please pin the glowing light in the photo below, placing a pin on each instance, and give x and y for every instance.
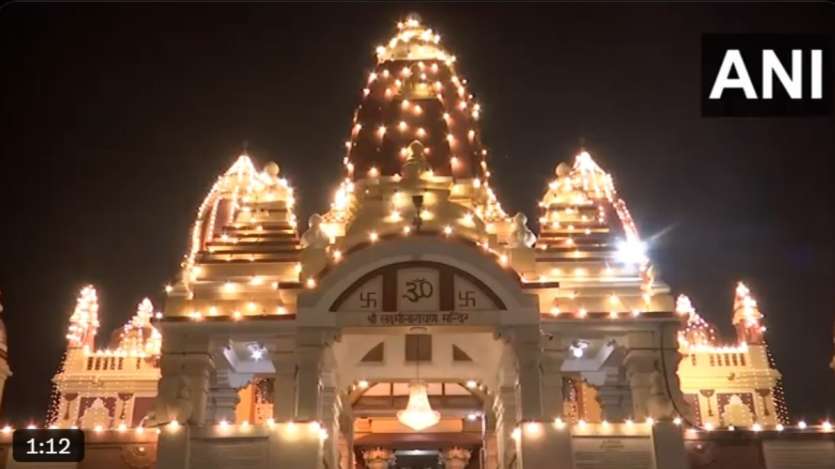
(650, 421)
(559, 424)
(7, 429)
(677, 421)
(802, 425)
(578, 348)
(418, 414)
(632, 251)
(310, 282)
(362, 384)
(826, 426)
(173, 426)
(122, 428)
(756, 427)
(533, 428)
(447, 230)
(471, 384)
(373, 236)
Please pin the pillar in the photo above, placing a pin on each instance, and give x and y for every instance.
(174, 448)
(614, 395)
(284, 389)
(668, 446)
(543, 444)
(537, 440)
(182, 399)
(223, 397)
(308, 388)
(505, 410)
(559, 438)
(329, 415)
(296, 446)
(639, 368)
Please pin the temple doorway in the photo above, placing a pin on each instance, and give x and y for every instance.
(384, 441)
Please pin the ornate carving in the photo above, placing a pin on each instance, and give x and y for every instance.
(456, 458)
(315, 236)
(173, 401)
(522, 236)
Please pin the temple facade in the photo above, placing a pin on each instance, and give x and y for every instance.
(416, 324)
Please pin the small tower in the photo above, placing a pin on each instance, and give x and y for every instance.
(747, 317)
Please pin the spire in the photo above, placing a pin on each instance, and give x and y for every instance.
(84, 322)
(747, 317)
(696, 332)
(414, 93)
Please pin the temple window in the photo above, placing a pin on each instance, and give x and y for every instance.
(418, 348)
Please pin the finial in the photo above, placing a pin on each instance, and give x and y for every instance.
(245, 146)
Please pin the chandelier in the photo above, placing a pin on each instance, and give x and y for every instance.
(418, 414)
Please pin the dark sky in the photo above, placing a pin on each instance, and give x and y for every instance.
(117, 119)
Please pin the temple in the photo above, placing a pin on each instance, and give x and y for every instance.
(416, 324)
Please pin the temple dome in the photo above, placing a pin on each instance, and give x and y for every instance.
(414, 93)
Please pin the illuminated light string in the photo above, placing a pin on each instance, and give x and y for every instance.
(242, 185)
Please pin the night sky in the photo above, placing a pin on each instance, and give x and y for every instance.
(117, 119)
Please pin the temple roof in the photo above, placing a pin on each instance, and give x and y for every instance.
(414, 93)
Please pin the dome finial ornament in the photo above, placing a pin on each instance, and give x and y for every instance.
(315, 236)
(416, 162)
(522, 236)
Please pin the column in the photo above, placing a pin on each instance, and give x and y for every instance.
(552, 407)
(539, 443)
(639, 368)
(668, 446)
(614, 395)
(308, 389)
(329, 415)
(505, 410)
(526, 343)
(181, 400)
(654, 386)
(284, 389)
(223, 397)
(489, 440)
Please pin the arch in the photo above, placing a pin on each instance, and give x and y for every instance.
(470, 262)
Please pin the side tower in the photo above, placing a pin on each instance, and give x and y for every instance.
(105, 388)
(730, 384)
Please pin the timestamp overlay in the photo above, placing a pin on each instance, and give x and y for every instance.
(43, 445)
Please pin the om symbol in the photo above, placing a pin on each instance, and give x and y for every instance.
(417, 289)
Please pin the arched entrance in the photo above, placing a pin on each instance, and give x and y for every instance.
(412, 311)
